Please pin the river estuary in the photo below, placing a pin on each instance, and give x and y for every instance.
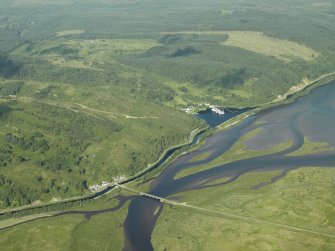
(310, 117)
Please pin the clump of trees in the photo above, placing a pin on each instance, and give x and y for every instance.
(9, 39)
(6, 154)
(12, 194)
(183, 52)
(33, 143)
(60, 49)
(56, 145)
(233, 79)
(8, 68)
(10, 87)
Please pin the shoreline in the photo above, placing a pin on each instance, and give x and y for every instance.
(290, 98)
(107, 189)
(287, 98)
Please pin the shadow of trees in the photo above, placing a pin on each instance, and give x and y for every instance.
(8, 68)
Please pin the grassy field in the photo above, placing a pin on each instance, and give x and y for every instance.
(304, 199)
(237, 152)
(18, 220)
(92, 155)
(51, 234)
(281, 49)
(69, 32)
(92, 90)
(260, 43)
(312, 147)
(69, 232)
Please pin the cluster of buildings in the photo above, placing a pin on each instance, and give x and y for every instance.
(95, 188)
(214, 108)
(104, 184)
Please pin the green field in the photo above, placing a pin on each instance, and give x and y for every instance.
(281, 49)
(237, 152)
(294, 212)
(258, 42)
(299, 200)
(69, 32)
(69, 232)
(95, 136)
(92, 90)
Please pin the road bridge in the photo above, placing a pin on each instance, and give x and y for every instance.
(151, 196)
(224, 214)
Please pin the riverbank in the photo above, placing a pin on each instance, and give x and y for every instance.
(31, 209)
(165, 155)
(164, 158)
(290, 97)
(227, 162)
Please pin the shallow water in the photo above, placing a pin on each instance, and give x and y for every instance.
(312, 116)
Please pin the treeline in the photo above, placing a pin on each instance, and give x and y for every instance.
(187, 39)
(12, 195)
(42, 71)
(77, 127)
(153, 92)
(51, 139)
(77, 130)
(217, 69)
(15, 194)
(10, 87)
(35, 142)
(8, 68)
(9, 39)
(6, 154)
(139, 161)
(45, 209)
(39, 70)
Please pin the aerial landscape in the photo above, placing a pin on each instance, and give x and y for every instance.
(167, 125)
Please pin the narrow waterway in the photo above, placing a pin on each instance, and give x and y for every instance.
(312, 117)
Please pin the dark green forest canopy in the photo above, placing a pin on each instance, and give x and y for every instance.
(303, 21)
(200, 60)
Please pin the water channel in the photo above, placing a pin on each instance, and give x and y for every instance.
(312, 117)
